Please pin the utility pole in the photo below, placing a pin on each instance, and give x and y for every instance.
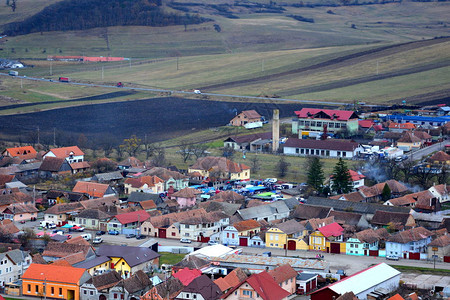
(377, 67)
(51, 68)
(54, 136)
(38, 136)
(102, 72)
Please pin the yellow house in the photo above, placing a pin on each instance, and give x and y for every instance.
(317, 241)
(52, 281)
(328, 238)
(275, 238)
(220, 167)
(95, 266)
(127, 260)
(287, 234)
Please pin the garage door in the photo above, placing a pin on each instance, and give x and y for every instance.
(292, 245)
(243, 241)
(335, 248)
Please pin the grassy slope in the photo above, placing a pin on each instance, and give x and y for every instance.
(244, 48)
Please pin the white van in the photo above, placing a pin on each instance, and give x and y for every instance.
(87, 236)
(47, 224)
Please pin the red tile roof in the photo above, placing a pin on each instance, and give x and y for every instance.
(266, 287)
(366, 123)
(220, 163)
(333, 229)
(187, 275)
(66, 151)
(53, 273)
(135, 216)
(283, 273)
(355, 175)
(440, 156)
(231, 280)
(341, 115)
(187, 193)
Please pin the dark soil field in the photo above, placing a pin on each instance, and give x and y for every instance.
(159, 119)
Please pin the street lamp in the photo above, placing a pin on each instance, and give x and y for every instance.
(45, 286)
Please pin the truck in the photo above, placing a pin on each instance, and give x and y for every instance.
(63, 79)
(13, 73)
(47, 224)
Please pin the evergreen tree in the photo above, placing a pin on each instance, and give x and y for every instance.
(315, 174)
(342, 181)
(386, 193)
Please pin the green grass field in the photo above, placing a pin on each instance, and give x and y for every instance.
(247, 48)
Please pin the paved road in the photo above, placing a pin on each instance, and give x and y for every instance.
(424, 152)
(328, 103)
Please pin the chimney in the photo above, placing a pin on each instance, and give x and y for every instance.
(275, 130)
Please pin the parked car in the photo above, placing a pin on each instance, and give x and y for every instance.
(100, 232)
(140, 236)
(113, 232)
(211, 242)
(97, 240)
(130, 235)
(184, 240)
(87, 236)
(392, 257)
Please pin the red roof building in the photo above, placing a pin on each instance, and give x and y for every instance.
(71, 154)
(138, 216)
(25, 152)
(331, 230)
(186, 275)
(315, 119)
(260, 285)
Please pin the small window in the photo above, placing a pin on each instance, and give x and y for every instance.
(60, 291)
(29, 287)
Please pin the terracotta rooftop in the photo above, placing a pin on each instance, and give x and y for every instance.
(368, 236)
(231, 280)
(221, 163)
(317, 113)
(187, 275)
(66, 151)
(25, 152)
(283, 273)
(385, 217)
(52, 273)
(187, 193)
(246, 225)
(441, 241)
(440, 156)
(93, 189)
(409, 137)
(411, 235)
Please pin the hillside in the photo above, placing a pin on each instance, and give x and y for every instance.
(380, 53)
(86, 14)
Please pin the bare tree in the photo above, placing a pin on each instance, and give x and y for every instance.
(185, 151)
(282, 167)
(255, 163)
(199, 150)
(159, 158)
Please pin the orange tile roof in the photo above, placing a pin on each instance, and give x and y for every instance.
(25, 152)
(283, 273)
(231, 280)
(149, 204)
(402, 125)
(246, 225)
(53, 273)
(66, 151)
(92, 188)
(396, 297)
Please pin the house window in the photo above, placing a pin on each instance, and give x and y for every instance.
(228, 234)
(84, 292)
(29, 288)
(60, 291)
(173, 233)
(115, 296)
(36, 289)
(302, 151)
(121, 296)
(247, 293)
(52, 290)
(186, 226)
(91, 293)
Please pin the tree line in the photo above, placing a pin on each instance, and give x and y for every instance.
(86, 14)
